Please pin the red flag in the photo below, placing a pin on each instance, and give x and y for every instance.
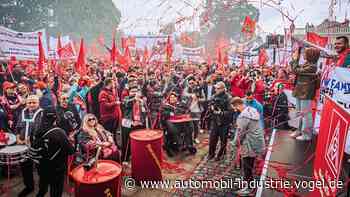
(11, 63)
(145, 55)
(114, 48)
(248, 25)
(124, 43)
(67, 51)
(131, 41)
(317, 39)
(225, 60)
(42, 60)
(331, 142)
(219, 56)
(59, 46)
(125, 60)
(263, 58)
(137, 56)
(80, 65)
(101, 40)
(169, 49)
(209, 60)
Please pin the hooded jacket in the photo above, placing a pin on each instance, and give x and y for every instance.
(249, 133)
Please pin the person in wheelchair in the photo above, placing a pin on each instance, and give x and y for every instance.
(177, 127)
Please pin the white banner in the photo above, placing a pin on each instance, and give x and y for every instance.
(65, 40)
(337, 86)
(22, 45)
(191, 54)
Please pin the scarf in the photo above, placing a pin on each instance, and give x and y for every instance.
(136, 111)
(342, 58)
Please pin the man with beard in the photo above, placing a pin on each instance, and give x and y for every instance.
(50, 149)
(343, 50)
(28, 123)
(68, 117)
(220, 118)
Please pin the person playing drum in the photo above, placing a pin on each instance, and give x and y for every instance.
(28, 123)
(170, 111)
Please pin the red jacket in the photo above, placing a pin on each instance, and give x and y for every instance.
(108, 105)
(235, 89)
(259, 91)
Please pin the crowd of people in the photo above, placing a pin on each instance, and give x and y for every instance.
(79, 114)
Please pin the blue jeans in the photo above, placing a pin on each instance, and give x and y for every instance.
(306, 121)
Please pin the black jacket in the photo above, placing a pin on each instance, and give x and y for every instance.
(51, 150)
(221, 102)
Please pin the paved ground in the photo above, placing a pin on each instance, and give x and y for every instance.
(181, 167)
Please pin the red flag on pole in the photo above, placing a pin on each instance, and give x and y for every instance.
(124, 43)
(263, 58)
(113, 51)
(225, 60)
(248, 25)
(145, 55)
(138, 56)
(169, 49)
(317, 39)
(219, 56)
(209, 60)
(59, 46)
(80, 65)
(11, 63)
(42, 60)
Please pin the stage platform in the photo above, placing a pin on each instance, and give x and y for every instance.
(291, 159)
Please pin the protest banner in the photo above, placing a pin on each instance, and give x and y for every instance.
(22, 45)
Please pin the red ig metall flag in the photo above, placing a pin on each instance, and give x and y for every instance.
(330, 149)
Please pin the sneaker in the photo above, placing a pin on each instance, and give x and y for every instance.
(304, 138)
(196, 141)
(244, 192)
(295, 134)
(25, 192)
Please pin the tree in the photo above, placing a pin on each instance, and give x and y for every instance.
(225, 19)
(88, 18)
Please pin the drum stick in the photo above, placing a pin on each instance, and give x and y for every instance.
(97, 155)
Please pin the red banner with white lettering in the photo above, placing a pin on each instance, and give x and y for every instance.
(330, 149)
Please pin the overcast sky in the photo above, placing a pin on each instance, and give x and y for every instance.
(142, 16)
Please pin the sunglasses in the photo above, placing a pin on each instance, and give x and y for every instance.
(91, 119)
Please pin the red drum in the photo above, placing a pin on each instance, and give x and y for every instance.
(103, 181)
(146, 155)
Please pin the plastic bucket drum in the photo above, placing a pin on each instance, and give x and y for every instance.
(103, 181)
(146, 155)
